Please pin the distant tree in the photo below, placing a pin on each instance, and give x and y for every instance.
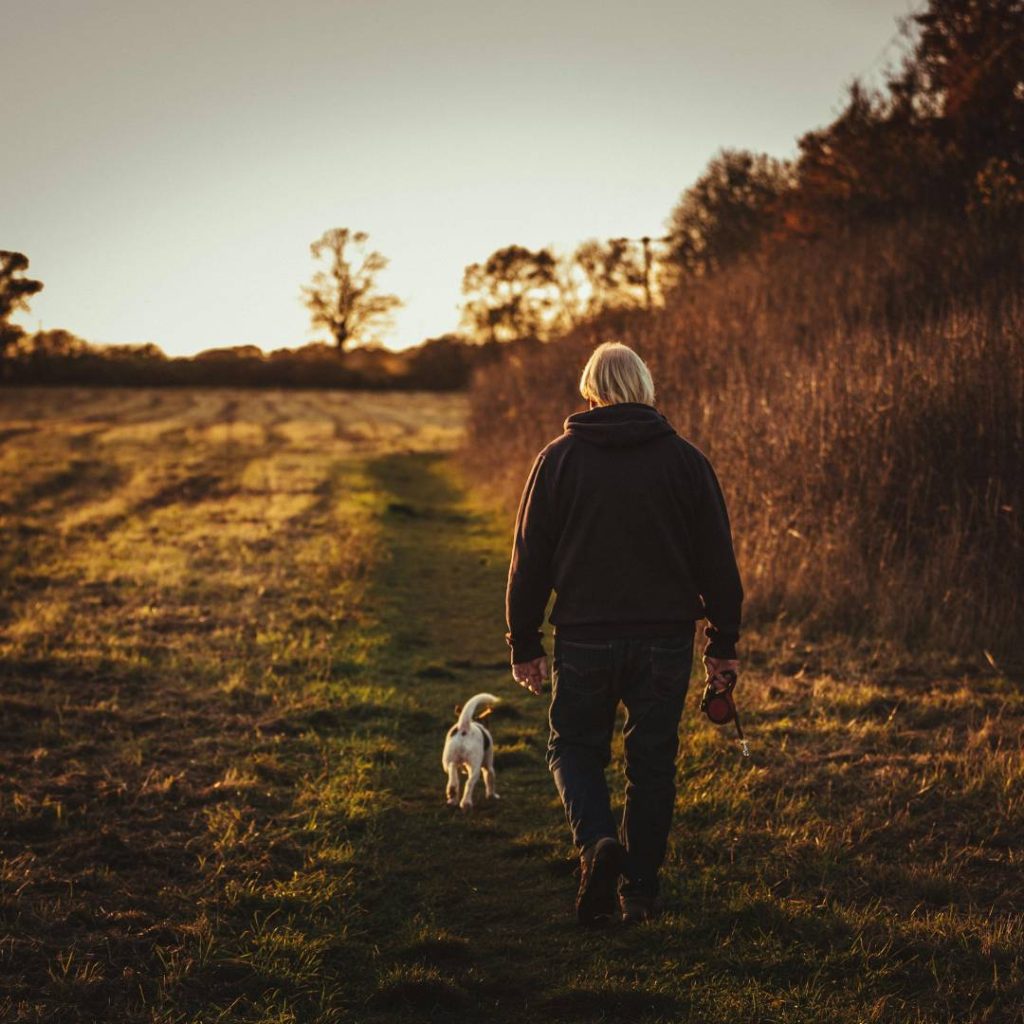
(342, 297)
(569, 291)
(229, 353)
(947, 132)
(59, 344)
(727, 211)
(514, 294)
(15, 291)
(441, 363)
(143, 350)
(868, 163)
(617, 273)
(314, 351)
(963, 82)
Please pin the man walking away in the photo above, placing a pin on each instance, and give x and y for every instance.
(625, 521)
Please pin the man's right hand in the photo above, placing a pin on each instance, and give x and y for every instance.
(532, 674)
(715, 667)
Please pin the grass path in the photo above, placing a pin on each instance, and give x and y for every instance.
(468, 909)
(861, 869)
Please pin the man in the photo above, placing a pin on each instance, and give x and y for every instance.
(626, 522)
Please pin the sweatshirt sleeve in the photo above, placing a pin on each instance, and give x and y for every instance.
(529, 574)
(716, 573)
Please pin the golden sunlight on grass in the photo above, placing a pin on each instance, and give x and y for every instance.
(233, 626)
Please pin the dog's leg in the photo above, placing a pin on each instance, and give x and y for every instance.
(452, 792)
(489, 779)
(467, 793)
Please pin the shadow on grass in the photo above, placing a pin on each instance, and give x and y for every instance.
(418, 988)
(608, 1004)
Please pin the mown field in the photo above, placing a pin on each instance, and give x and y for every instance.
(232, 629)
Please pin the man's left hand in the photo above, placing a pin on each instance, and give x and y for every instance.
(715, 667)
(532, 674)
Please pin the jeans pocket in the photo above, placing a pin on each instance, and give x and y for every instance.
(670, 665)
(583, 669)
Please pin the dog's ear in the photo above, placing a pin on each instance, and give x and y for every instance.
(486, 711)
(458, 710)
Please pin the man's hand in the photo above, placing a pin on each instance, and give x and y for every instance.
(714, 667)
(531, 674)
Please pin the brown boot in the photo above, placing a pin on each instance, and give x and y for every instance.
(601, 863)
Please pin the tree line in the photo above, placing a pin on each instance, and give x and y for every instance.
(843, 335)
(344, 303)
(942, 137)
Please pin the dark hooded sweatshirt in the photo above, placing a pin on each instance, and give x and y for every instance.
(626, 522)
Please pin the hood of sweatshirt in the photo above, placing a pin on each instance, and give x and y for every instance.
(618, 426)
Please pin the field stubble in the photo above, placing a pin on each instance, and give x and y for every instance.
(233, 626)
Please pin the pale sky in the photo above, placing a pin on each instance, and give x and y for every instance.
(167, 162)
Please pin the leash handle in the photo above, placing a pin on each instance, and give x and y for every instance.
(718, 704)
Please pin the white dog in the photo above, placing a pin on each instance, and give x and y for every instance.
(469, 746)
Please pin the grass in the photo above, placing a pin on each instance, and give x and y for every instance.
(229, 656)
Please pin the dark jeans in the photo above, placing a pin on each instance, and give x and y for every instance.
(650, 676)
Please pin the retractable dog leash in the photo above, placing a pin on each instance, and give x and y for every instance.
(719, 706)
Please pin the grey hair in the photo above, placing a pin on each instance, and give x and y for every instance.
(615, 373)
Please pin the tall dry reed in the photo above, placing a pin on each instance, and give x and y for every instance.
(862, 400)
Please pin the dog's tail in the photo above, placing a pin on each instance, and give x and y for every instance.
(469, 710)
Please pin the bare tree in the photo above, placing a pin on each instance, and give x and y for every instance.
(342, 297)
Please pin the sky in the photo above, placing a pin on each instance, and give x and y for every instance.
(167, 164)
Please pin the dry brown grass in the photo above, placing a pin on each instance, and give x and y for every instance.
(863, 403)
